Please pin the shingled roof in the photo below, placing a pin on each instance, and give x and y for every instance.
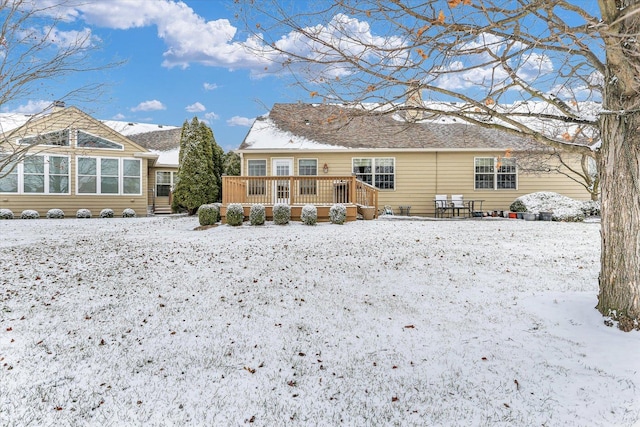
(312, 126)
(160, 140)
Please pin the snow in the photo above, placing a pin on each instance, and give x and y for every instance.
(265, 134)
(466, 322)
(11, 121)
(168, 157)
(134, 128)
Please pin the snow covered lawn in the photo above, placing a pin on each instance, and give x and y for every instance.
(148, 322)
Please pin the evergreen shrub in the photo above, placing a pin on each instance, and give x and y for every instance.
(517, 206)
(235, 214)
(6, 214)
(128, 213)
(83, 213)
(106, 213)
(29, 214)
(309, 215)
(55, 213)
(208, 214)
(257, 214)
(281, 213)
(338, 213)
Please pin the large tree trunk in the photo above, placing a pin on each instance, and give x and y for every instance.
(620, 166)
(620, 191)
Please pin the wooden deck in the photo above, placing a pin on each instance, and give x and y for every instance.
(297, 191)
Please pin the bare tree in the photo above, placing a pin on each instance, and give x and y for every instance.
(585, 173)
(36, 55)
(529, 67)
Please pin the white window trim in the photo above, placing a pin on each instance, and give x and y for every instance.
(75, 134)
(99, 175)
(373, 169)
(495, 175)
(172, 181)
(19, 169)
(309, 158)
(257, 190)
(69, 132)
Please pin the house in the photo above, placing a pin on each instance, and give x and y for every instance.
(74, 161)
(407, 159)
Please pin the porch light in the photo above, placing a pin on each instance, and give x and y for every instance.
(325, 168)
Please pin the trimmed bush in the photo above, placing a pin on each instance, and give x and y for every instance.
(106, 213)
(55, 213)
(517, 206)
(29, 214)
(591, 208)
(338, 213)
(6, 214)
(309, 215)
(235, 214)
(281, 213)
(128, 213)
(257, 214)
(208, 214)
(83, 213)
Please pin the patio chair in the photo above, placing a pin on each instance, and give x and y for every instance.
(457, 203)
(441, 205)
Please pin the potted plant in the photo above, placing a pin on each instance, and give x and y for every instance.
(518, 207)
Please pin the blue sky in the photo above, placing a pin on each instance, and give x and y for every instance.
(186, 58)
(181, 62)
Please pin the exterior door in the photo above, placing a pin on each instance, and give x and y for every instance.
(281, 190)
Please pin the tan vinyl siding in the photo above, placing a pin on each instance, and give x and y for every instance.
(420, 175)
(160, 201)
(74, 119)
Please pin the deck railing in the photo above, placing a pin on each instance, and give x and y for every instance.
(298, 190)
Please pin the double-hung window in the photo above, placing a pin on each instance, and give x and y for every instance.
(165, 181)
(493, 173)
(256, 168)
(379, 171)
(102, 175)
(308, 167)
(36, 174)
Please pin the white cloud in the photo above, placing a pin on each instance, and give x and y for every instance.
(210, 86)
(118, 116)
(211, 116)
(153, 105)
(195, 108)
(240, 121)
(342, 36)
(83, 38)
(189, 38)
(33, 107)
(476, 65)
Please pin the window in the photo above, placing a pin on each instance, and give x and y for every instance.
(87, 175)
(37, 175)
(86, 140)
(257, 168)
(308, 167)
(8, 176)
(164, 183)
(58, 175)
(100, 175)
(109, 174)
(379, 172)
(493, 173)
(131, 177)
(59, 138)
